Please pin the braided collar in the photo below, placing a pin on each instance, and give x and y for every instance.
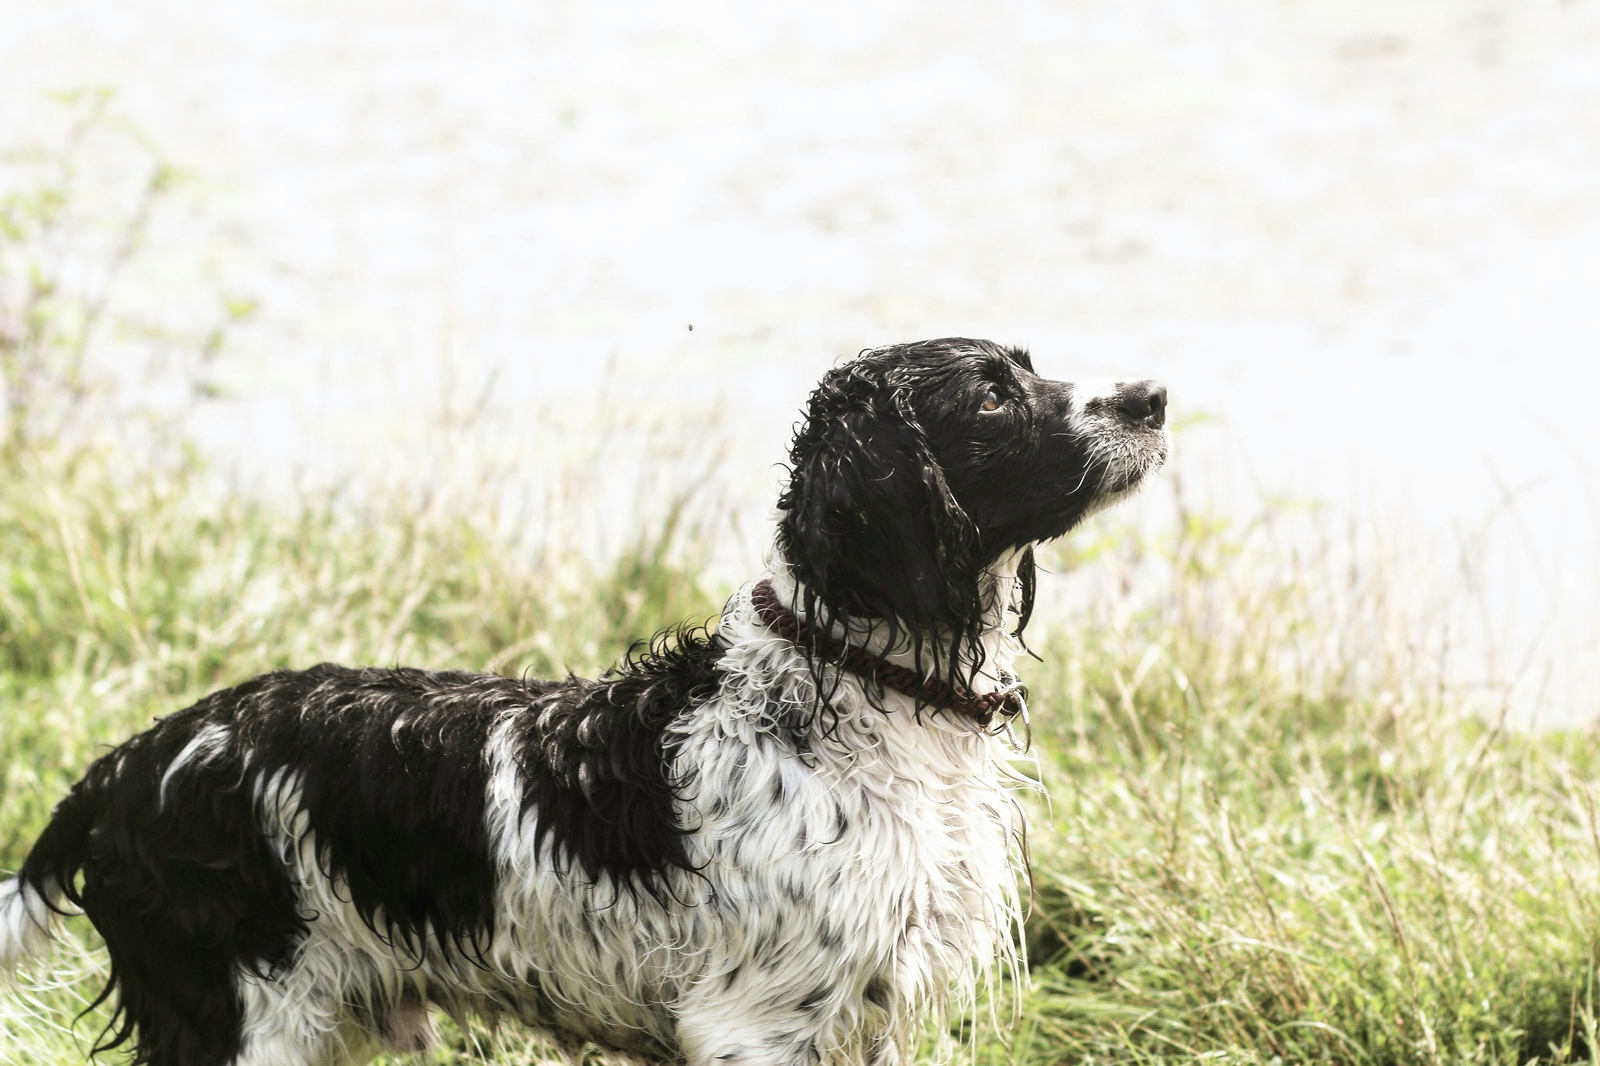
(927, 691)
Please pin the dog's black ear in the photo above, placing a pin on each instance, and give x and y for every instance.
(869, 523)
(1027, 588)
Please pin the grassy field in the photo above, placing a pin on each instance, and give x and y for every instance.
(1264, 842)
(1273, 834)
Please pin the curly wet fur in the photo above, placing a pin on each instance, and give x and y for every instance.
(725, 851)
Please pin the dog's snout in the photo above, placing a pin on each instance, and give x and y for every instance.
(1144, 401)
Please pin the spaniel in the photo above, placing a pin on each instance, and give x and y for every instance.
(785, 840)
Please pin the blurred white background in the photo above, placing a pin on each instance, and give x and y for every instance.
(1363, 236)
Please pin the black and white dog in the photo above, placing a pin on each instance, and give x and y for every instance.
(785, 841)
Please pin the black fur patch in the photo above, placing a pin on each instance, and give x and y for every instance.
(594, 761)
(391, 774)
(185, 893)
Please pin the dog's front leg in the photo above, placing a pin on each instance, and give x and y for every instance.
(787, 1016)
(752, 1018)
(720, 1039)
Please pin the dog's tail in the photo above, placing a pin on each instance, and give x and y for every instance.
(31, 901)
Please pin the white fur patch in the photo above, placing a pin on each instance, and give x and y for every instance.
(26, 925)
(207, 743)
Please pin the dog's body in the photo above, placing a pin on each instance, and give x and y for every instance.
(729, 850)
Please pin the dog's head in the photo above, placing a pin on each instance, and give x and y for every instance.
(920, 466)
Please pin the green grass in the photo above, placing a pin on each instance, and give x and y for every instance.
(1252, 857)
(1266, 840)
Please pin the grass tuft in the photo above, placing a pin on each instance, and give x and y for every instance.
(1267, 842)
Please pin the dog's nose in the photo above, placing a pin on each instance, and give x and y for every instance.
(1144, 401)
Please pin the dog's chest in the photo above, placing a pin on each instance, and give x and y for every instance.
(879, 858)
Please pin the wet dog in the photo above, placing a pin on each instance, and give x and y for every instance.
(781, 841)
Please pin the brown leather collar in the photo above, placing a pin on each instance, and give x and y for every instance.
(926, 691)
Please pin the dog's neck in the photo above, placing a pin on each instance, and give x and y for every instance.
(893, 643)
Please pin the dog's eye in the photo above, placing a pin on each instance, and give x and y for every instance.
(991, 400)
